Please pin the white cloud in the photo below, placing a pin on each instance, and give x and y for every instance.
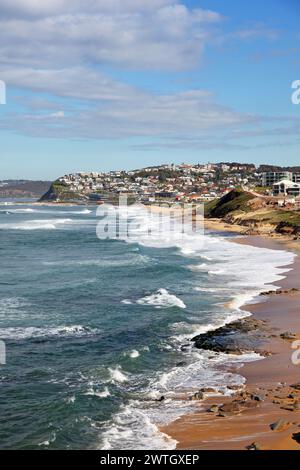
(255, 32)
(77, 82)
(162, 37)
(62, 47)
(34, 8)
(114, 110)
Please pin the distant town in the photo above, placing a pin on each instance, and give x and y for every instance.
(178, 183)
(172, 183)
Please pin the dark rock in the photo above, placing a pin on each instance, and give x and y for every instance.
(254, 446)
(288, 336)
(198, 396)
(296, 437)
(280, 292)
(233, 407)
(280, 425)
(258, 396)
(235, 338)
(292, 396)
(214, 409)
(207, 390)
(162, 398)
(296, 386)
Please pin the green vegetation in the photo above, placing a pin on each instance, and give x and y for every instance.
(236, 205)
(235, 201)
(60, 191)
(262, 189)
(162, 174)
(59, 187)
(288, 218)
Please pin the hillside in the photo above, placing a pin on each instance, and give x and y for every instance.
(61, 192)
(256, 214)
(23, 188)
(235, 201)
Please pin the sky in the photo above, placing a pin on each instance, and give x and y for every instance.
(120, 84)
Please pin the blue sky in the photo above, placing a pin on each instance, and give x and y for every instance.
(98, 85)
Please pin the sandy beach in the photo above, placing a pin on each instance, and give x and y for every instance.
(268, 380)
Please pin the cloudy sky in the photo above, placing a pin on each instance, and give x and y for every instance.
(113, 84)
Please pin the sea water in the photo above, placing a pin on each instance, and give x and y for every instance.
(96, 331)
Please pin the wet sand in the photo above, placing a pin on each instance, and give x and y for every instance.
(272, 376)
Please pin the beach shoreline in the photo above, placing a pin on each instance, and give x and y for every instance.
(272, 376)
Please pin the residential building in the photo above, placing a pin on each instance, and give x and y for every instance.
(286, 188)
(269, 178)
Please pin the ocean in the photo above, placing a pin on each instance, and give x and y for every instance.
(97, 330)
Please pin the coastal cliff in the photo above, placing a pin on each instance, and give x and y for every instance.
(258, 215)
(59, 192)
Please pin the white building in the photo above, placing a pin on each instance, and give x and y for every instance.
(286, 188)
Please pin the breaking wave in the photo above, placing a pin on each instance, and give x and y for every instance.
(20, 333)
(160, 299)
(50, 224)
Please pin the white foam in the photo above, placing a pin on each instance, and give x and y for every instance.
(162, 299)
(20, 333)
(236, 274)
(71, 400)
(133, 354)
(133, 429)
(47, 442)
(243, 299)
(22, 211)
(49, 211)
(117, 375)
(50, 224)
(94, 393)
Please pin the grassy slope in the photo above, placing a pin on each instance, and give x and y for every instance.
(61, 192)
(235, 207)
(235, 201)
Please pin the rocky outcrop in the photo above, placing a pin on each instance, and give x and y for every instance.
(235, 338)
(242, 402)
(51, 195)
(280, 425)
(286, 228)
(258, 214)
(61, 193)
(255, 446)
(280, 292)
(288, 336)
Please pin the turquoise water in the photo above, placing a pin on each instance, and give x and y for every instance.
(97, 330)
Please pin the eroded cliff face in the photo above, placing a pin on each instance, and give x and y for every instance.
(256, 214)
